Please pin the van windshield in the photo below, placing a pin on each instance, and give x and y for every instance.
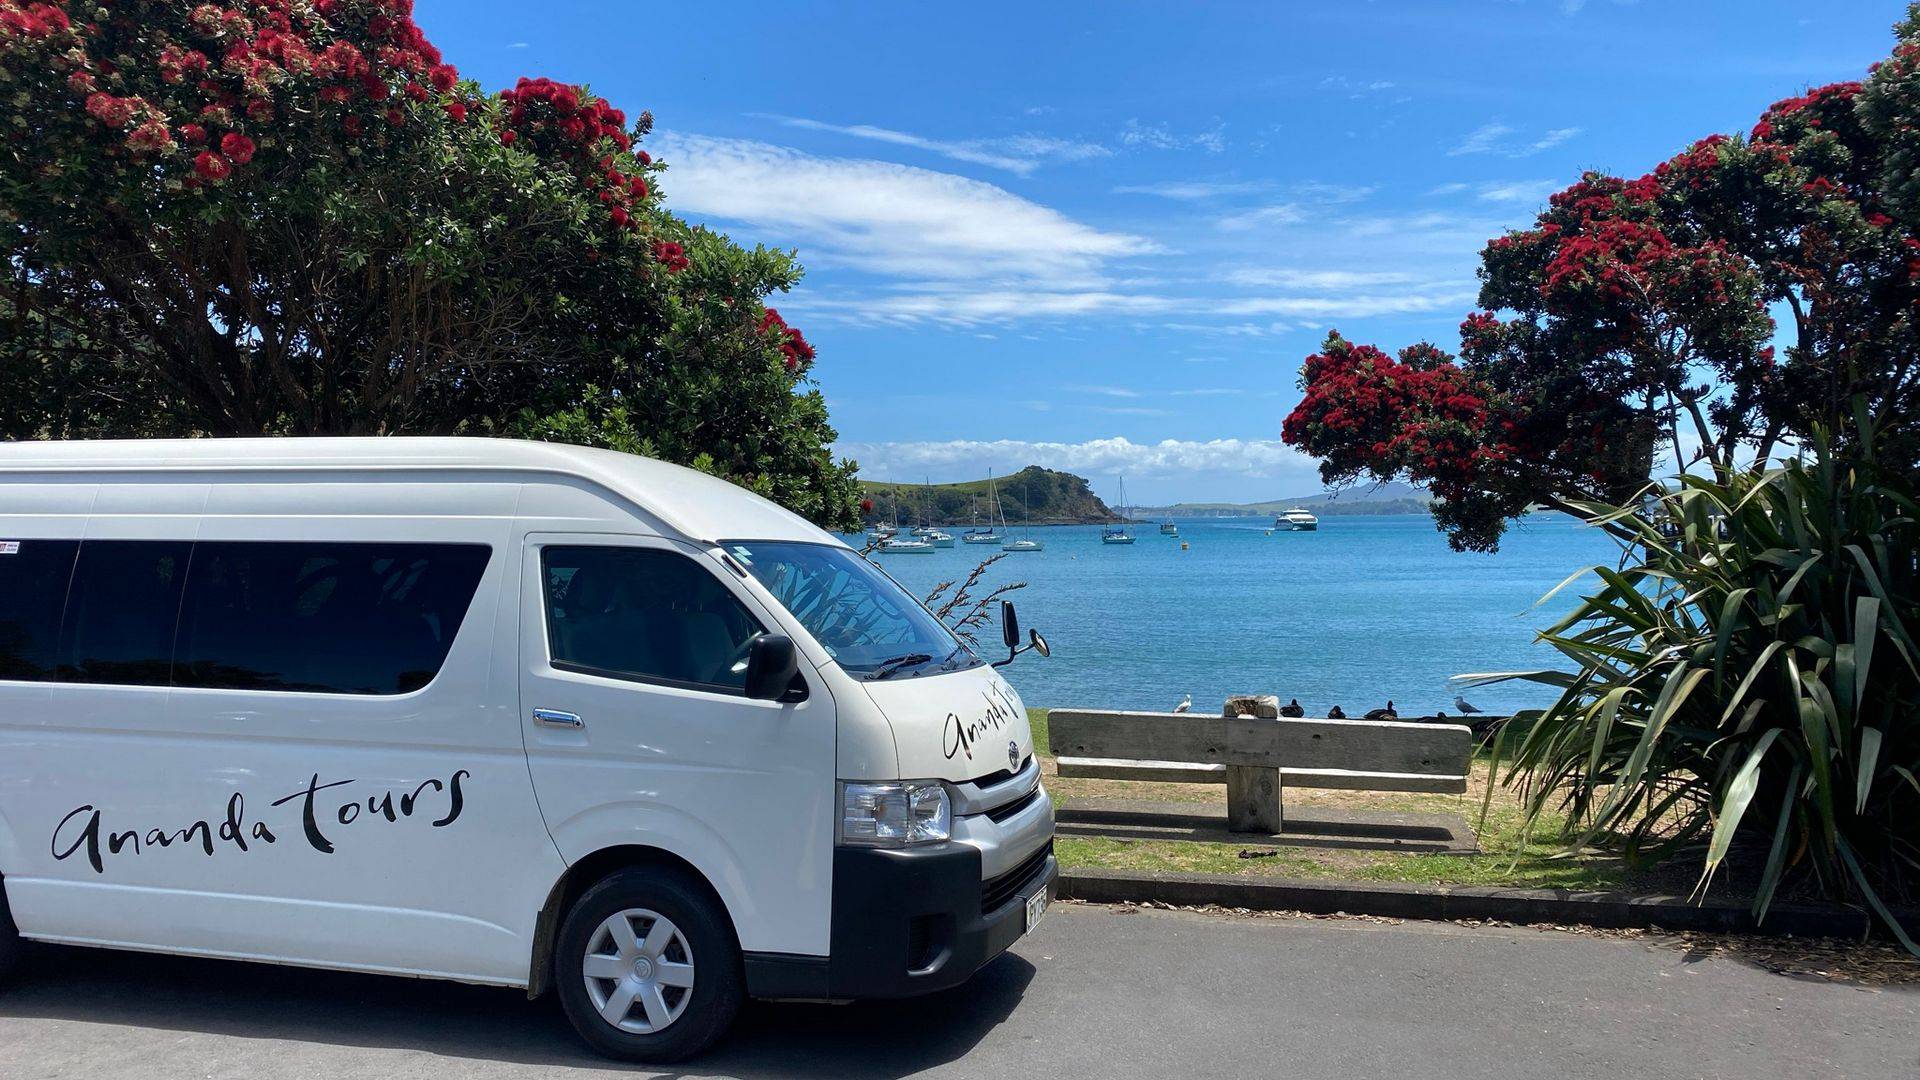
(872, 626)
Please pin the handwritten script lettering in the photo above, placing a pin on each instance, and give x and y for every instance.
(959, 735)
(82, 829)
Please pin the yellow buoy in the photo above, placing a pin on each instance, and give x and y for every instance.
(1183, 545)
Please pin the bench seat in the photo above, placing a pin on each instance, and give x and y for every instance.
(1176, 772)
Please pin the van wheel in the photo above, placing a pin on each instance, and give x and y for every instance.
(10, 943)
(647, 967)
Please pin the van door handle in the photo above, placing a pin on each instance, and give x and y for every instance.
(557, 718)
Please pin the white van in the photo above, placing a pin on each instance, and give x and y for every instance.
(509, 713)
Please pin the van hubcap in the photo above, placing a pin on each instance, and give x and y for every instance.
(639, 971)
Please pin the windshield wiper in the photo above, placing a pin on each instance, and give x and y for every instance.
(889, 667)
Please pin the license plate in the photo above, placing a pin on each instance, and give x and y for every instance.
(1036, 907)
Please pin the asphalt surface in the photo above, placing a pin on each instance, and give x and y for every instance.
(1094, 992)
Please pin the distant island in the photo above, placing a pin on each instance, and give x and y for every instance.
(1394, 498)
(1032, 496)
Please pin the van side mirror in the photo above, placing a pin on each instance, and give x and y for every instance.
(1010, 633)
(771, 666)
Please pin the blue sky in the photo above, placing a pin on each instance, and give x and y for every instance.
(1101, 237)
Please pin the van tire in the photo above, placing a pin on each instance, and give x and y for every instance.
(698, 931)
(10, 944)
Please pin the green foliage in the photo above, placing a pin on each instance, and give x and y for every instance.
(1747, 685)
(285, 217)
(1033, 494)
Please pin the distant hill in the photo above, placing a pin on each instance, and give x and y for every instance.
(1395, 498)
(1032, 496)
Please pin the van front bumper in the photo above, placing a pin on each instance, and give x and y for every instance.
(910, 921)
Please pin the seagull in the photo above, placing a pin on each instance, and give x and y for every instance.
(1336, 713)
(1387, 713)
(1461, 704)
(1185, 704)
(1293, 708)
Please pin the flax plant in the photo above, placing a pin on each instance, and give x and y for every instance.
(1746, 685)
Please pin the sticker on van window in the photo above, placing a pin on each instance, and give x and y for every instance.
(9, 547)
(322, 816)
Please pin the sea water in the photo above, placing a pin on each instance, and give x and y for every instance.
(1365, 610)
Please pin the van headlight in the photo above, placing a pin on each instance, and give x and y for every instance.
(895, 813)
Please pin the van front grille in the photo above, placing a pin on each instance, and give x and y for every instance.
(1006, 810)
(997, 892)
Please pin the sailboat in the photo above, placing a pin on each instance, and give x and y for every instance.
(977, 535)
(1118, 534)
(894, 544)
(1019, 543)
(925, 530)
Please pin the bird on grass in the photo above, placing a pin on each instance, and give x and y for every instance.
(1461, 704)
(1388, 713)
(1185, 704)
(1293, 708)
(1336, 713)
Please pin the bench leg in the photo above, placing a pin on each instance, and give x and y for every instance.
(1253, 799)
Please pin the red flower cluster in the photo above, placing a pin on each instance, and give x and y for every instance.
(670, 255)
(1365, 412)
(793, 345)
(1695, 165)
(1809, 108)
(578, 129)
(31, 20)
(230, 65)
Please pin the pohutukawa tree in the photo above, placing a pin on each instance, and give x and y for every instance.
(1635, 322)
(292, 216)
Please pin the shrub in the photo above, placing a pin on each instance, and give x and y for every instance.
(1747, 681)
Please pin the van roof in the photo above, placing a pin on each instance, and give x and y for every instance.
(698, 506)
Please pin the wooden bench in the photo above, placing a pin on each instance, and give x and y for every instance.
(1258, 758)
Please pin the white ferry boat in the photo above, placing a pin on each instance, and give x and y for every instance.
(1298, 519)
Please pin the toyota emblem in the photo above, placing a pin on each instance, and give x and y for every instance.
(1013, 754)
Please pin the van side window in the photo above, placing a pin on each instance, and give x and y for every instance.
(334, 618)
(121, 612)
(647, 614)
(33, 588)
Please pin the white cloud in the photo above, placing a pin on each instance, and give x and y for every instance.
(1283, 278)
(1138, 135)
(1498, 191)
(1166, 459)
(1302, 201)
(1210, 391)
(1497, 138)
(1277, 214)
(1020, 154)
(1193, 190)
(1521, 191)
(1482, 140)
(886, 218)
(1107, 391)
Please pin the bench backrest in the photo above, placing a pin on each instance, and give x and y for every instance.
(1387, 746)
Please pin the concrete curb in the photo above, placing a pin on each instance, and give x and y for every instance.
(1393, 900)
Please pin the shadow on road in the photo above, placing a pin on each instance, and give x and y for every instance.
(877, 1040)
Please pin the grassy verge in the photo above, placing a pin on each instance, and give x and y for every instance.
(1508, 856)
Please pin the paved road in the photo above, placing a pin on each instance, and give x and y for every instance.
(1094, 993)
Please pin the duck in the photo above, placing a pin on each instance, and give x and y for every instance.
(1388, 713)
(1336, 713)
(1293, 708)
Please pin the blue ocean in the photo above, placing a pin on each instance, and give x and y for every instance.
(1366, 610)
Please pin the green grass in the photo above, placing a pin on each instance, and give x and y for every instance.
(1507, 858)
